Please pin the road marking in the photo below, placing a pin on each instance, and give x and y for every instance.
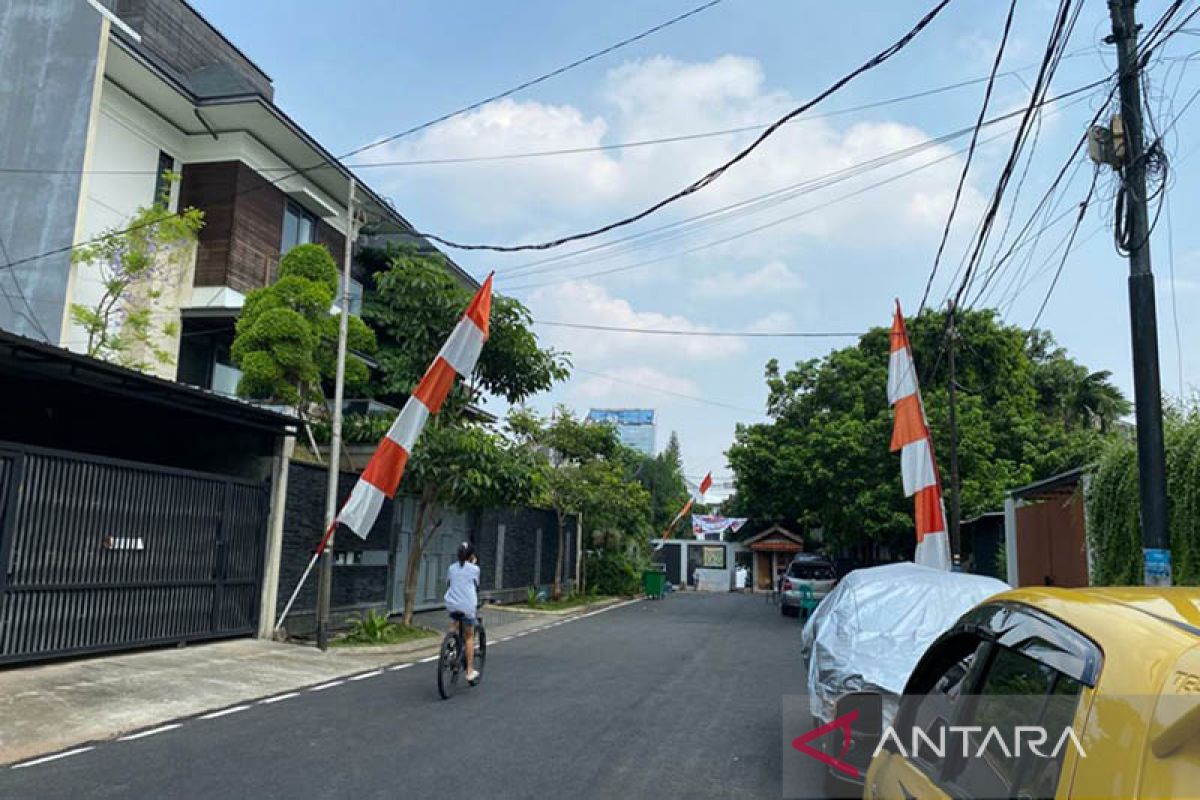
(279, 697)
(224, 712)
(55, 757)
(399, 667)
(427, 660)
(366, 675)
(151, 732)
(505, 639)
(324, 686)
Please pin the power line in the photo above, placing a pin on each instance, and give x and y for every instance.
(1083, 206)
(711, 176)
(761, 202)
(16, 281)
(328, 163)
(748, 232)
(661, 390)
(962, 177)
(730, 334)
(540, 79)
(685, 137)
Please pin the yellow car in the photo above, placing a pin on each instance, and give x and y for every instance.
(1119, 667)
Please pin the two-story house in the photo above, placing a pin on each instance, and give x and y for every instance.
(97, 99)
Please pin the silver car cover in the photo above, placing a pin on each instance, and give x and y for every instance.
(871, 630)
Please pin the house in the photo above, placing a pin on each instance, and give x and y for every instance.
(105, 96)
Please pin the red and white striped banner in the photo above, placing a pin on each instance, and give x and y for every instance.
(385, 469)
(911, 436)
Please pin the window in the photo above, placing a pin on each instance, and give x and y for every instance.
(162, 186)
(706, 557)
(299, 227)
(1017, 691)
(811, 571)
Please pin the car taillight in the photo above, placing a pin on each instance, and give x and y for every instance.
(788, 585)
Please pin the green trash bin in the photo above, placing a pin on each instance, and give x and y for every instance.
(653, 582)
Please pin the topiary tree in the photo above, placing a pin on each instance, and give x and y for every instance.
(286, 341)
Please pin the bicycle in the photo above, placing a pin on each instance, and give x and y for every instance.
(452, 658)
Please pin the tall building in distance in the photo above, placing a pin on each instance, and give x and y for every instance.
(635, 426)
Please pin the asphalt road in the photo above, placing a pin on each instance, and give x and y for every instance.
(678, 698)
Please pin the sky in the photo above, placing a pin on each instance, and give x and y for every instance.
(808, 258)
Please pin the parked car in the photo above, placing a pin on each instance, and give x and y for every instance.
(870, 632)
(1119, 667)
(814, 571)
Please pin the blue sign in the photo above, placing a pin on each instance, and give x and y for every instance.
(1157, 566)
(623, 416)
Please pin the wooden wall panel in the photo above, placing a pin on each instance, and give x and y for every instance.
(257, 231)
(210, 188)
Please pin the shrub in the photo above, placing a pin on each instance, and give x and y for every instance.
(373, 628)
(613, 572)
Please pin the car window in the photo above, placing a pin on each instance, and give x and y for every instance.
(1014, 694)
(931, 705)
(811, 572)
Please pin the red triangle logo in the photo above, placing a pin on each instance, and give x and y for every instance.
(842, 723)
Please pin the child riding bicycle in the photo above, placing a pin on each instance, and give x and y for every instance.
(462, 600)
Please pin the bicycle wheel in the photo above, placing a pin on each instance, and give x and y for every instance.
(449, 663)
(480, 651)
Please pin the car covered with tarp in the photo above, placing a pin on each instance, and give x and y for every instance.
(870, 631)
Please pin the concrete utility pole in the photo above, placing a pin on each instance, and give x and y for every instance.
(1152, 478)
(325, 579)
(955, 483)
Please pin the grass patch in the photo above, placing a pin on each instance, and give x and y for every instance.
(568, 602)
(377, 629)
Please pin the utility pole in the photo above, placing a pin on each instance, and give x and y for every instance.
(1152, 479)
(955, 484)
(325, 579)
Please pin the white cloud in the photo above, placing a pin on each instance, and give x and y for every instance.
(582, 302)
(773, 278)
(526, 199)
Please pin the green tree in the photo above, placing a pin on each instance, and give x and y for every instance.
(137, 262)
(584, 469)
(824, 460)
(662, 476)
(413, 304)
(286, 337)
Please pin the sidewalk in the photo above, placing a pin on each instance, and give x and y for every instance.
(51, 707)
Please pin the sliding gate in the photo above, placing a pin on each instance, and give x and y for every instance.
(103, 555)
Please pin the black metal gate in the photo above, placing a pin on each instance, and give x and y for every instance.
(100, 554)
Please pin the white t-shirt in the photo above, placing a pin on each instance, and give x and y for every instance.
(461, 595)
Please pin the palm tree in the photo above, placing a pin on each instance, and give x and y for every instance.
(1097, 401)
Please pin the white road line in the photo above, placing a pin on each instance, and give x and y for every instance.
(505, 639)
(399, 667)
(224, 712)
(366, 675)
(55, 757)
(279, 697)
(427, 660)
(151, 732)
(324, 686)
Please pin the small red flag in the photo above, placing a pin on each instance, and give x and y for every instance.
(706, 484)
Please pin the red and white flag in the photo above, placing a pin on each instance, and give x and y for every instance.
(911, 436)
(385, 469)
(706, 484)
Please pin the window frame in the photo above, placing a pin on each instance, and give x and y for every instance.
(302, 215)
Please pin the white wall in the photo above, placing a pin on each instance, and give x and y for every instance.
(122, 171)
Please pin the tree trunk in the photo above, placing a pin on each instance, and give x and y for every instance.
(416, 550)
(560, 558)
